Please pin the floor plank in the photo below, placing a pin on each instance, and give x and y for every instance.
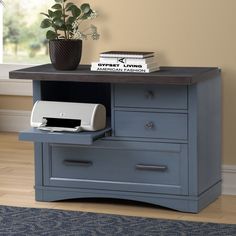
(17, 181)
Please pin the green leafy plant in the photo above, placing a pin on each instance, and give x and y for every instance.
(65, 20)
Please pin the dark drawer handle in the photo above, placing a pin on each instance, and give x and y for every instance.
(149, 125)
(77, 163)
(149, 94)
(151, 167)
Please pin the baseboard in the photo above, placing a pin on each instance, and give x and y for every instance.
(229, 177)
(15, 121)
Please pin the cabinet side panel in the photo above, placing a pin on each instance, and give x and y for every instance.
(192, 140)
(38, 155)
(209, 133)
(36, 90)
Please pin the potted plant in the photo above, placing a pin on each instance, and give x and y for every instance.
(65, 34)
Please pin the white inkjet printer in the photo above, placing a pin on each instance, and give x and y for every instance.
(68, 116)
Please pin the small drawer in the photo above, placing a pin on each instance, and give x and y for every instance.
(147, 167)
(148, 96)
(150, 125)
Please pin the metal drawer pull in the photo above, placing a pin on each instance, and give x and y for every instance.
(77, 163)
(149, 125)
(149, 94)
(151, 167)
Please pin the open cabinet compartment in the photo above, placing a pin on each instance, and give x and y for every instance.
(71, 92)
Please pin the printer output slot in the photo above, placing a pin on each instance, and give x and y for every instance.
(61, 122)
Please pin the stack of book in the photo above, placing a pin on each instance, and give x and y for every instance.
(126, 61)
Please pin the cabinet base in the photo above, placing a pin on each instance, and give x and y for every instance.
(191, 204)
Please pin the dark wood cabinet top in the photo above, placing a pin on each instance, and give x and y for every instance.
(166, 75)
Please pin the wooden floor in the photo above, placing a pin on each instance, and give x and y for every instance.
(17, 181)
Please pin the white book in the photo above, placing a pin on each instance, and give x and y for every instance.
(124, 66)
(128, 60)
(131, 70)
(127, 54)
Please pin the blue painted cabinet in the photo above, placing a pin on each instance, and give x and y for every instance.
(162, 143)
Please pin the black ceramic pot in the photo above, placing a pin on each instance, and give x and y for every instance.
(65, 54)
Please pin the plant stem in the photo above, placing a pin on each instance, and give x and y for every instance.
(55, 29)
(64, 19)
(57, 33)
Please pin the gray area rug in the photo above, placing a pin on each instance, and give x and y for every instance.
(30, 221)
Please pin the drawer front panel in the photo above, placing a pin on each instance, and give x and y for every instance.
(148, 96)
(163, 171)
(150, 125)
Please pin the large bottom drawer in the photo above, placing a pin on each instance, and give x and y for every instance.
(116, 165)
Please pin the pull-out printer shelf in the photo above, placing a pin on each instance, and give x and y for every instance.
(83, 138)
(164, 144)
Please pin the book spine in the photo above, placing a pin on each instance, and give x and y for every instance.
(124, 66)
(126, 60)
(124, 55)
(115, 69)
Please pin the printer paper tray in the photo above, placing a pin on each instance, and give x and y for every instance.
(85, 137)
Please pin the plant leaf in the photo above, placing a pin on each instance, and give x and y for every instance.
(57, 6)
(85, 16)
(44, 14)
(85, 8)
(68, 5)
(69, 27)
(50, 13)
(70, 20)
(74, 10)
(51, 35)
(46, 23)
(60, 1)
(57, 14)
(58, 22)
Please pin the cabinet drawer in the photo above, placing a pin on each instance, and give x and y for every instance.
(162, 169)
(150, 125)
(149, 96)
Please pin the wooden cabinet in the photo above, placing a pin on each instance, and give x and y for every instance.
(162, 143)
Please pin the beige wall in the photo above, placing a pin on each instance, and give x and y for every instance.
(15, 103)
(182, 33)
